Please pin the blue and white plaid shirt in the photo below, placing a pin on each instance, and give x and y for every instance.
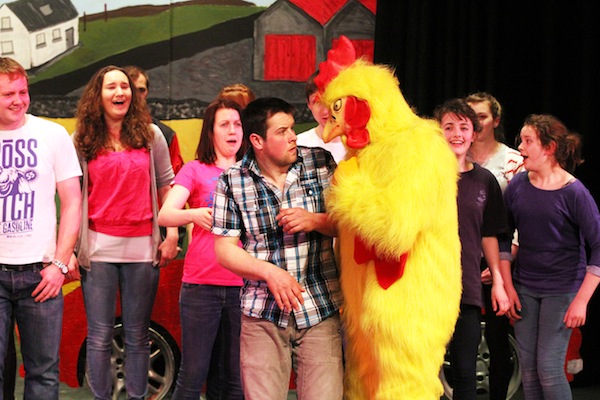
(245, 206)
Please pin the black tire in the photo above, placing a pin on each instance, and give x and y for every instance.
(483, 364)
(164, 362)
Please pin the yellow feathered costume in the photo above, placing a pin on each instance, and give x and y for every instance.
(394, 200)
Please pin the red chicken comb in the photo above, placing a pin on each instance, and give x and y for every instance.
(339, 57)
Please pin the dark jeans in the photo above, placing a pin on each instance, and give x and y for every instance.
(463, 352)
(10, 365)
(497, 329)
(40, 328)
(207, 313)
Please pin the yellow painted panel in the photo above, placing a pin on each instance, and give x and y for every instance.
(68, 123)
(188, 133)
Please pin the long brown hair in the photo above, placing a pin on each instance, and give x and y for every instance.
(91, 130)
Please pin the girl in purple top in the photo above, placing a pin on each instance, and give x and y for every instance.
(553, 279)
(209, 299)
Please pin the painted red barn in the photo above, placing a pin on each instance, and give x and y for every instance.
(292, 37)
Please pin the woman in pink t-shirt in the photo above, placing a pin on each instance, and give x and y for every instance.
(209, 299)
(126, 167)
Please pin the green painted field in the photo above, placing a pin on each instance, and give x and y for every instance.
(100, 39)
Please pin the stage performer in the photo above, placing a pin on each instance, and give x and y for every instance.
(394, 202)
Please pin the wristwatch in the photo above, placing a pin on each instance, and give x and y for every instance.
(62, 266)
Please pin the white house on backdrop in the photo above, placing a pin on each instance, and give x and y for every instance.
(34, 32)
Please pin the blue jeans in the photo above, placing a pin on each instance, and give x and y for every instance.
(463, 352)
(542, 341)
(137, 283)
(207, 313)
(40, 329)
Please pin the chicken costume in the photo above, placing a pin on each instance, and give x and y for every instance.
(394, 200)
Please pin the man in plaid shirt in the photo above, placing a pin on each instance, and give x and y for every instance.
(273, 201)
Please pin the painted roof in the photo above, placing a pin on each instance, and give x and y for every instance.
(323, 11)
(39, 14)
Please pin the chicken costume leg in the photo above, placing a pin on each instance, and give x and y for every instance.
(394, 200)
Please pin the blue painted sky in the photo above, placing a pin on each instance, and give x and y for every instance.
(96, 6)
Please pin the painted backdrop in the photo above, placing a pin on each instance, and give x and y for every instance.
(191, 49)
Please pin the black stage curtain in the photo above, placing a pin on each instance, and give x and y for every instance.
(535, 57)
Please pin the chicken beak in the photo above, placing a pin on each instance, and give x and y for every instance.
(332, 130)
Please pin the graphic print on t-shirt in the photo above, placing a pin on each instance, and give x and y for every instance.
(17, 170)
(210, 182)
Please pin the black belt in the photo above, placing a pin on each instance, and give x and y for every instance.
(21, 268)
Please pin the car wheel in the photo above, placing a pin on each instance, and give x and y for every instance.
(164, 363)
(483, 366)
